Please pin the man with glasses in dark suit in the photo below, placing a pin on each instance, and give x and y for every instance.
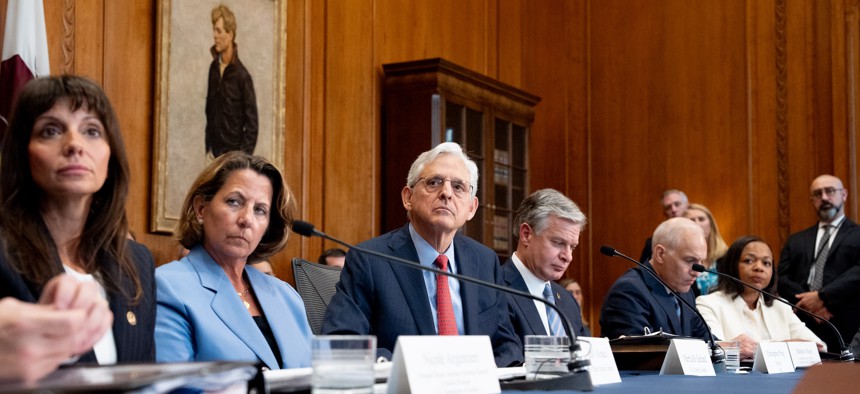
(378, 297)
(819, 268)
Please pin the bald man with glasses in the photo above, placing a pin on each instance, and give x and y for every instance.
(819, 268)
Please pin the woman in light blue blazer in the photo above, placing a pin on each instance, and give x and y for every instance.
(211, 304)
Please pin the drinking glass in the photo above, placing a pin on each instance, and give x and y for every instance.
(546, 356)
(343, 364)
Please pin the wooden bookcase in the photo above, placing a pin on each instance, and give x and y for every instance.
(427, 102)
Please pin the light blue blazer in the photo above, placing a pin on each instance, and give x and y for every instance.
(200, 317)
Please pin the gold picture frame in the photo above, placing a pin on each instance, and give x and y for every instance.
(185, 36)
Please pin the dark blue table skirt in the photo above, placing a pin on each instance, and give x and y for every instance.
(653, 382)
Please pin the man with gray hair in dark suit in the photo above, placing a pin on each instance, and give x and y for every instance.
(379, 297)
(547, 225)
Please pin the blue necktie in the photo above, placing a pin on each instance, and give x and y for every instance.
(677, 306)
(552, 318)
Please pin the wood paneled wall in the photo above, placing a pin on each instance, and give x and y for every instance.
(740, 103)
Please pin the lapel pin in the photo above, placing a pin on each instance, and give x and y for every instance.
(132, 319)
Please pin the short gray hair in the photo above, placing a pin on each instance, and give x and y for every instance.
(537, 208)
(673, 191)
(445, 148)
(672, 231)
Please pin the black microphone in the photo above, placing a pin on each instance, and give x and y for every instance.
(306, 229)
(717, 354)
(844, 355)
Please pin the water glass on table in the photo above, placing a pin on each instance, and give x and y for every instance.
(343, 364)
(732, 349)
(546, 356)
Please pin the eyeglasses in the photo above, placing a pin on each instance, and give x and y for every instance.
(829, 191)
(434, 184)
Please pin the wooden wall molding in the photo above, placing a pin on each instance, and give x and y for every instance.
(782, 122)
(69, 37)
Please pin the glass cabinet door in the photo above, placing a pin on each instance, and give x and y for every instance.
(502, 207)
(509, 181)
(465, 126)
(502, 177)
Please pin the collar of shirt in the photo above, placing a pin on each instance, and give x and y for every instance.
(741, 303)
(534, 284)
(427, 255)
(835, 223)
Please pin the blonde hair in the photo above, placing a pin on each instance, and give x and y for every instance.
(717, 246)
(221, 11)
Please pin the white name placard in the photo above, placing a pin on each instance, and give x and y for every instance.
(437, 364)
(603, 369)
(804, 354)
(688, 357)
(772, 357)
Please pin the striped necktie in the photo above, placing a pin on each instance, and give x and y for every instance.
(823, 251)
(552, 318)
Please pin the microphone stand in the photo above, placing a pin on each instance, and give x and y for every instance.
(845, 354)
(718, 356)
(577, 379)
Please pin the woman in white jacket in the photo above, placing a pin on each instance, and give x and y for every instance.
(735, 310)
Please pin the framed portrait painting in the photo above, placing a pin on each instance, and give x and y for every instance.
(220, 87)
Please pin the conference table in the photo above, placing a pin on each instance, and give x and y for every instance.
(830, 377)
(653, 382)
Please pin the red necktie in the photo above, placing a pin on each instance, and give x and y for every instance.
(444, 308)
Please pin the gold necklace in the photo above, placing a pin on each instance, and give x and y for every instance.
(243, 295)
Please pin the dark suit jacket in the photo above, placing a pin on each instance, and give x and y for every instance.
(231, 108)
(637, 300)
(378, 297)
(645, 256)
(841, 283)
(524, 314)
(134, 342)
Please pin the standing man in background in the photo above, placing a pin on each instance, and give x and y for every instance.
(674, 203)
(231, 104)
(819, 268)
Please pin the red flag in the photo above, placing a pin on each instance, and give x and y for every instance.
(25, 52)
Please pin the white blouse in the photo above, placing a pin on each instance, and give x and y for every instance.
(105, 348)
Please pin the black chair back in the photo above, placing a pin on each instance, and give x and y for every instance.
(316, 285)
